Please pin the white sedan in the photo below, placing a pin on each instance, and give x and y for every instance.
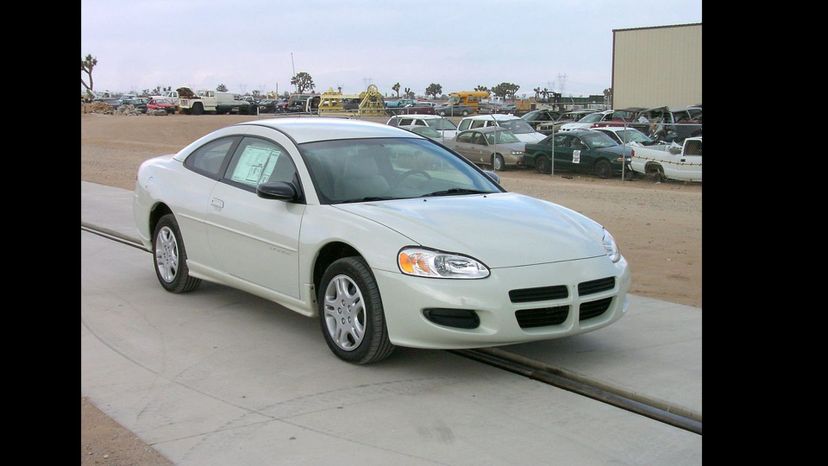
(385, 236)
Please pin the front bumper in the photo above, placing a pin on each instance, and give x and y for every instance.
(405, 297)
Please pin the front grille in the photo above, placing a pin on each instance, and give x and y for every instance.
(528, 318)
(538, 294)
(594, 308)
(596, 286)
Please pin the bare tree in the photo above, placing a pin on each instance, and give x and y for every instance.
(86, 66)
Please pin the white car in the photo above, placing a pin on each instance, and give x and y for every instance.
(588, 121)
(669, 161)
(384, 236)
(627, 136)
(442, 124)
(518, 126)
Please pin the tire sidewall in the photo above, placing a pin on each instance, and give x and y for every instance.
(357, 270)
(180, 281)
(603, 168)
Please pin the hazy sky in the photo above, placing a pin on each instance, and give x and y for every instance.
(247, 44)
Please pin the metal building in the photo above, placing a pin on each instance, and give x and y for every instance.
(657, 66)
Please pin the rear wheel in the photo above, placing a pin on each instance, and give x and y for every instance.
(657, 172)
(603, 169)
(170, 257)
(351, 314)
(465, 113)
(542, 164)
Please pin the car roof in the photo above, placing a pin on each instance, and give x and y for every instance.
(497, 117)
(325, 129)
(417, 115)
(488, 129)
(614, 129)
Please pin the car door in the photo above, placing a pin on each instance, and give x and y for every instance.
(256, 239)
(463, 145)
(563, 151)
(192, 206)
(480, 149)
(688, 166)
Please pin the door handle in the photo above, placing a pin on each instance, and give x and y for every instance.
(217, 203)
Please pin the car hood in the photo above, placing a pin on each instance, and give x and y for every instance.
(501, 229)
(530, 138)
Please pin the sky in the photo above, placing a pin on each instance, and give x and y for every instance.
(562, 45)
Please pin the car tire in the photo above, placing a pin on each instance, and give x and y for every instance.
(497, 163)
(170, 257)
(465, 113)
(603, 169)
(542, 164)
(197, 109)
(351, 315)
(657, 172)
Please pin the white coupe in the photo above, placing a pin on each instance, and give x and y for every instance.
(385, 236)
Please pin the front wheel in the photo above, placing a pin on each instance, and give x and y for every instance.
(603, 169)
(170, 257)
(497, 162)
(542, 164)
(351, 314)
(197, 109)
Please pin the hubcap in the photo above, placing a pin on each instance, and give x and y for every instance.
(344, 312)
(498, 165)
(166, 254)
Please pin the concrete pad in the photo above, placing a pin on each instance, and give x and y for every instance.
(218, 376)
(654, 351)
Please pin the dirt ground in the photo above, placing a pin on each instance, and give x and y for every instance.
(657, 226)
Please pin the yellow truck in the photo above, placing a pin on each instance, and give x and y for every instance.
(468, 98)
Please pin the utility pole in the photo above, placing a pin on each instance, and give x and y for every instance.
(562, 81)
(293, 67)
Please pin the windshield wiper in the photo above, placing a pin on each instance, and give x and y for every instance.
(367, 199)
(453, 191)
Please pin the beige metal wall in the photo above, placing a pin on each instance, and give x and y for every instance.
(658, 66)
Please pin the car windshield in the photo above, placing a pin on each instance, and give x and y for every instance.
(633, 135)
(517, 126)
(362, 170)
(597, 140)
(440, 123)
(502, 137)
(591, 118)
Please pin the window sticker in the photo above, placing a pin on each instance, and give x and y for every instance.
(255, 165)
(576, 156)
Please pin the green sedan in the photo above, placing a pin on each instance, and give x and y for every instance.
(580, 151)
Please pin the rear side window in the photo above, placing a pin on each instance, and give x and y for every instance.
(405, 121)
(208, 159)
(464, 125)
(478, 124)
(257, 161)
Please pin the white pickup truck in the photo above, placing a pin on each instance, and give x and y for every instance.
(212, 102)
(669, 161)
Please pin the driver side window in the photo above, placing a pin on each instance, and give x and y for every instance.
(257, 161)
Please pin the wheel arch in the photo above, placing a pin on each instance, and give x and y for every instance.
(327, 255)
(156, 212)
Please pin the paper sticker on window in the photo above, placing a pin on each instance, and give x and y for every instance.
(576, 156)
(255, 165)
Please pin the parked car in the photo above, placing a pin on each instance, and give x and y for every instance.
(453, 109)
(516, 125)
(586, 151)
(588, 121)
(673, 124)
(140, 103)
(430, 133)
(629, 136)
(161, 103)
(493, 146)
(537, 117)
(677, 162)
(269, 106)
(566, 117)
(376, 264)
(441, 124)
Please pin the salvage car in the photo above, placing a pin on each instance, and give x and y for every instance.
(387, 238)
(436, 122)
(587, 151)
(629, 136)
(670, 161)
(493, 146)
(430, 133)
(518, 126)
(537, 117)
(161, 103)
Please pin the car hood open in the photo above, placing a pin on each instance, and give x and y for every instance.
(501, 229)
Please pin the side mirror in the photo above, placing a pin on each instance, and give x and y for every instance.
(492, 175)
(277, 190)
(674, 150)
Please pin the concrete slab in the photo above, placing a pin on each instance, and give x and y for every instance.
(654, 351)
(218, 376)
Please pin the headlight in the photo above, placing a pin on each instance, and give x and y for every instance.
(517, 152)
(609, 245)
(435, 264)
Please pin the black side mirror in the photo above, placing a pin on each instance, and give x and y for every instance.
(492, 175)
(277, 190)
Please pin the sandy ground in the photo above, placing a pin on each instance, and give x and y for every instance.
(657, 225)
(104, 441)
